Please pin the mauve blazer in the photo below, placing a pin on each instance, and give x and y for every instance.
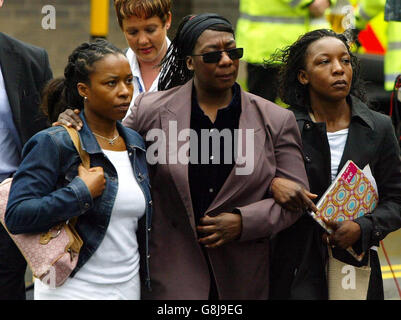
(178, 268)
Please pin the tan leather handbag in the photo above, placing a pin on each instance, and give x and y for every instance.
(345, 281)
(52, 255)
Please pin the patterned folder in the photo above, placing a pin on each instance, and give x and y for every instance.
(350, 196)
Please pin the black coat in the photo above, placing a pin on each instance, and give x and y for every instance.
(25, 70)
(299, 255)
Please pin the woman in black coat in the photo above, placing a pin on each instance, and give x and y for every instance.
(320, 81)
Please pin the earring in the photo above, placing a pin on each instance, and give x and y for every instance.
(85, 98)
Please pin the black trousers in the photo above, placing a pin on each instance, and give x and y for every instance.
(12, 269)
(213, 293)
(263, 81)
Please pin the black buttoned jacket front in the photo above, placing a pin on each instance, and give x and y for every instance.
(299, 255)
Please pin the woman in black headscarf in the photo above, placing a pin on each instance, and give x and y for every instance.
(212, 222)
(175, 71)
(213, 217)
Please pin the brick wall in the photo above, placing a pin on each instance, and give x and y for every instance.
(22, 19)
(226, 8)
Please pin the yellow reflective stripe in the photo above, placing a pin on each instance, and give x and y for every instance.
(394, 267)
(268, 19)
(389, 275)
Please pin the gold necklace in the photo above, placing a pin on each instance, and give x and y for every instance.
(110, 141)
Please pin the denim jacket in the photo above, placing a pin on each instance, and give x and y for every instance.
(46, 189)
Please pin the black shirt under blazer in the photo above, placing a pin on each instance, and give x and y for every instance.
(300, 255)
(204, 190)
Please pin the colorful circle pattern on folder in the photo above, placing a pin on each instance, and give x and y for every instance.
(349, 200)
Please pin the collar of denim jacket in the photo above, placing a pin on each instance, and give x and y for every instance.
(89, 143)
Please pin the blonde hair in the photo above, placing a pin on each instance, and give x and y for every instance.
(142, 9)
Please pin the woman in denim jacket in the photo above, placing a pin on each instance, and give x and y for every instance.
(51, 186)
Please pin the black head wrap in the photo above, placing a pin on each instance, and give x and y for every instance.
(195, 27)
(174, 70)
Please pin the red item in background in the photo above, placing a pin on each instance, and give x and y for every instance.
(391, 268)
(369, 41)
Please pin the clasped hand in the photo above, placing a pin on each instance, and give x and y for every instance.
(291, 196)
(94, 179)
(220, 229)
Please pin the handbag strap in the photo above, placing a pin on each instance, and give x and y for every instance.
(82, 154)
(331, 254)
(329, 251)
(77, 143)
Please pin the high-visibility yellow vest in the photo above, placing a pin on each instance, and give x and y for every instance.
(392, 61)
(388, 33)
(367, 10)
(267, 25)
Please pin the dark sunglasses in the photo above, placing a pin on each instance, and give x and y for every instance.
(215, 56)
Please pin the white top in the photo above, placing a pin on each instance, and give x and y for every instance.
(75, 289)
(139, 86)
(117, 259)
(337, 142)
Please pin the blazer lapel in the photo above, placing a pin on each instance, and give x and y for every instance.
(361, 156)
(10, 68)
(238, 178)
(176, 118)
